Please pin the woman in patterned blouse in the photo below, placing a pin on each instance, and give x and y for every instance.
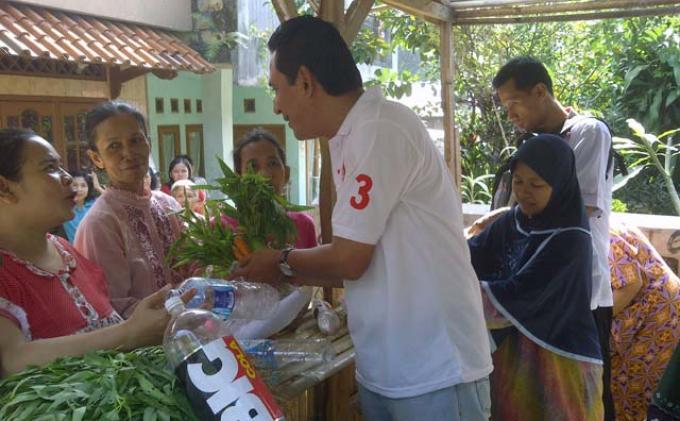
(646, 325)
(53, 301)
(129, 229)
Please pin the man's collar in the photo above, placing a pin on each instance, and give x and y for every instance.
(370, 94)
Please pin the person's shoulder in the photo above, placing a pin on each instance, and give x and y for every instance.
(301, 218)
(165, 200)
(589, 124)
(101, 209)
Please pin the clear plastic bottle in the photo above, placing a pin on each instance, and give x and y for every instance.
(327, 319)
(233, 299)
(273, 354)
(219, 380)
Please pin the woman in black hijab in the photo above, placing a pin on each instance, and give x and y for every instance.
(534, 264)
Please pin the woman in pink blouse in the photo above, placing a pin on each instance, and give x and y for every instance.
(129, 230)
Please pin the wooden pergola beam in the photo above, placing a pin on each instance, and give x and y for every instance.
(355, 17)
(285, 9)
(558, 7)
(427, 9)
(658, 11)
(447, 71)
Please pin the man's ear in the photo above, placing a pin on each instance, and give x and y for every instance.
(96, 159)
(7, 194)
(540, 91)
(307, 80)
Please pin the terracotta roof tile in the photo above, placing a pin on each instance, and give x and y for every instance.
(33, 31)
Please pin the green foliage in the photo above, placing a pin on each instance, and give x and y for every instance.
(615, 69)
(476, 189)
(649, 150)
(619, 206)
(102, 385)
(223, 42)
(252, 201)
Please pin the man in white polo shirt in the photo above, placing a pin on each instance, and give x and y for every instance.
(413, 301)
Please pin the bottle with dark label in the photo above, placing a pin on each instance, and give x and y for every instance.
(220, 381)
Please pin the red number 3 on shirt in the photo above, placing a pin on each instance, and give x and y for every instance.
(365, 185)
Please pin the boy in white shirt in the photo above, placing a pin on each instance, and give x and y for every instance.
(413, 300)
(524, 88)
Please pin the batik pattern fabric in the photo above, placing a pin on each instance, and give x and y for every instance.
(644, 333)
(129, 236)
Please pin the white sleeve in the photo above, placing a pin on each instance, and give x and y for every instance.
(379, 163)
(591, 143)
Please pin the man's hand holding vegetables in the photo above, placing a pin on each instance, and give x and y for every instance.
(326, 265)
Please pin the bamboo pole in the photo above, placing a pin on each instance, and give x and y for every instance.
(468, 4)
(559, 7)
(354, 18)
(671, 10)
(333, 11)
(447, 65)
(285, 9)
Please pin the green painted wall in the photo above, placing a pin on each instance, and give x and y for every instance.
(222, 110)
(186, 85)
(264, 114)
(218, 89)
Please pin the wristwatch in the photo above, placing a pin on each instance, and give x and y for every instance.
(284, 267)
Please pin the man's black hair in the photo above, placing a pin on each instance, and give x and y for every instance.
(526, 71)
(316, 44)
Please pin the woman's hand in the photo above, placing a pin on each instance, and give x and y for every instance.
(148, 321)
(95, 183)
(481, 223)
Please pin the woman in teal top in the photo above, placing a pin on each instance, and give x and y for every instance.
(84, 198)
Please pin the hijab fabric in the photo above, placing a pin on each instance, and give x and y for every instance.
(537, 270)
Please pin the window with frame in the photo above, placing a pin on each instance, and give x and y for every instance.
(160, 106)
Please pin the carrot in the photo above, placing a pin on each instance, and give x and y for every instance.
(241, 246)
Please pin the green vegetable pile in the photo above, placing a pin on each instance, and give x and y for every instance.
(102, 385)
(259, 210)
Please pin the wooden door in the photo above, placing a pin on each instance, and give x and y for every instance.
(75, 141)
(195, 148)
(38, 116)
(278, 130)
(61, 121)
(168, 147)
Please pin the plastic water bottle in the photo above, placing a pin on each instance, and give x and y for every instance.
(233, 299)
(220, 382)
(272, 354)
(327, 319)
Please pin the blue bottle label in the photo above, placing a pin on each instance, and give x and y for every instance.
(225, 300)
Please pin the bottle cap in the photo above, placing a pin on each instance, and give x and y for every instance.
(172, 302)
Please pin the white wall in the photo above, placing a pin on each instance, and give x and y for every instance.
(168, 14)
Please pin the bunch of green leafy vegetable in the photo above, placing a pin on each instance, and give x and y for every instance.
(205, 241)
(261, 216)
(102, 385)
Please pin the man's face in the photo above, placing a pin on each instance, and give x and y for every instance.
(291, 102)
(525, 107)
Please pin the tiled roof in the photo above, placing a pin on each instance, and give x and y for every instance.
(37, 32)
